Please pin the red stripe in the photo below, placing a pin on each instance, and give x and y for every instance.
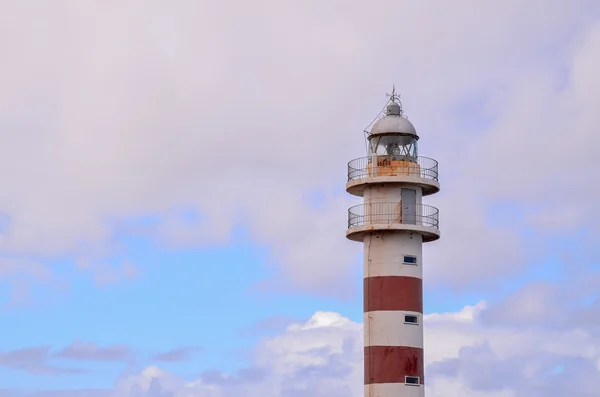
(387, 364)
(393, 293)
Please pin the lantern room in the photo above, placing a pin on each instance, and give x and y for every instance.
(393, 144)
(394, 136)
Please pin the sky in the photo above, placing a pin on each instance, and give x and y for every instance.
(173, 205)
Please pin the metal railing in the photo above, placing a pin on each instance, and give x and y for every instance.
(391, 165)
(390, 213)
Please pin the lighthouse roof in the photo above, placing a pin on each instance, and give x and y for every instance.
(393, 122)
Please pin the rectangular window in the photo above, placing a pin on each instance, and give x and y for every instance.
(410, 260)
(410, 319)
(412, 380)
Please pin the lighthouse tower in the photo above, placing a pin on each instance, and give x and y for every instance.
(393, 224)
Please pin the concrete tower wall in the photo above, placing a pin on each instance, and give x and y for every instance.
(382, 193)
(392, 291)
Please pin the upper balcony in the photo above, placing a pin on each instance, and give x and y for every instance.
(420, 171)
(370, 217)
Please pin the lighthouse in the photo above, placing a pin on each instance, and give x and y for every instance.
(393, 223)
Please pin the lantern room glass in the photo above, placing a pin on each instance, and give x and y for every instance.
(395, 145)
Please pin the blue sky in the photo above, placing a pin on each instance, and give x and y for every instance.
(173, 211)
(181, 296)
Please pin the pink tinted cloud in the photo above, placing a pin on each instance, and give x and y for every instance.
(84, 351)
(179, 354)
(33, 360)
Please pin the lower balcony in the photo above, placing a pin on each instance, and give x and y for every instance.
(417, 218)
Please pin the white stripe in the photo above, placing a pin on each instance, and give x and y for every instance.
(384, 255)
(388, 328)
(394, 390)
(396, 268)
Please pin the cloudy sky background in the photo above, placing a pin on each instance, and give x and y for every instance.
(172, 209)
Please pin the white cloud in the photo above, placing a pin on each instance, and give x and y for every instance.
(533, 342)
(235, 112)
(466, 355)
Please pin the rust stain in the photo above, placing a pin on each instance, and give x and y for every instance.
(411, 364)
(387, 167)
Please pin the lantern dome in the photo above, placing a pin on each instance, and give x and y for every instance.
(393, 122)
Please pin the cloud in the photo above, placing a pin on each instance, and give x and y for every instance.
(58, 393)
(33, 360)
(21, 274)
(41, 360)
(178, 354)
(551, 305)
(189, 113)
(275, 323)
(84, 351)
(322, 356)
(466, 355)
(24, 357)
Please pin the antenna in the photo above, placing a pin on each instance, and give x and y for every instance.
(395, 107)
(393, 96)
(395, 99)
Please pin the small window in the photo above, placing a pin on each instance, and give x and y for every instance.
(412, 380)
(410, 319)
(410, 260)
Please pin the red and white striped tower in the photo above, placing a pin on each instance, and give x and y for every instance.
(393, 224)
